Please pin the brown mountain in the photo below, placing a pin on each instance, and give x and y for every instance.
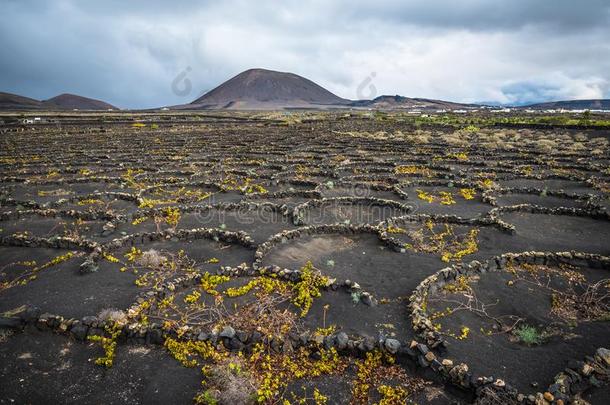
(261, 89)
(597, 104)
(408, 103)
(72, 101)
(10, 101)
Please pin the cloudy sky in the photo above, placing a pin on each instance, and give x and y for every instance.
(138, 54)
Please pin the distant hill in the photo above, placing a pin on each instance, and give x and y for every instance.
(399, 102)
(261, 89)
(10, 101)
(267, 89)
(599, 104)
(72, 101)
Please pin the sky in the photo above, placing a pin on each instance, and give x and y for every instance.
(142, 54)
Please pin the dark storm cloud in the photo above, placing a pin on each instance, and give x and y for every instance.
(494, 15)
(130, 53)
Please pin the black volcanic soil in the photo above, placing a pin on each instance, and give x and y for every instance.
(129, 182)
(63, 371)
(499, 356)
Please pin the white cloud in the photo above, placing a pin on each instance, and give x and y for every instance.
(129, 53)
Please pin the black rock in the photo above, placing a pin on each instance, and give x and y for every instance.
(53, 322)
(554, 389)
(595, 382)
(485, 381)
(154, 336)
(10, 322)
(242, 336)
(95, 332)
(341, 340)
(467, 379)
(276, 345)
(408, 351)
(31, 314)
(256, 337)
(369, 300)
(421, 360)
(79, 331)
(579, 386)
(392, 345)
(228, 332)
(235, 344)
(89, 320)
(422, 348)
(369, 343)
(436, 365)
(574, 376)
(88, 266)
(328, 342)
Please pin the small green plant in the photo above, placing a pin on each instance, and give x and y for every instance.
(308, 288)
(544, 192)
(108, 344)
(205, 398)
(529, 335)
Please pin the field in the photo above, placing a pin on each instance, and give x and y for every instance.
(304, 258)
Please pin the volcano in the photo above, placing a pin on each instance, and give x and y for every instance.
(261, 89)
(9, 101)
(72, 101)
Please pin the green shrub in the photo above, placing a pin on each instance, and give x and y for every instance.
(529, 335)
